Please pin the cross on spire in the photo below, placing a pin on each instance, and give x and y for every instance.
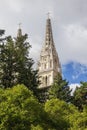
(19, 25)
(19, 30)
(48, 14)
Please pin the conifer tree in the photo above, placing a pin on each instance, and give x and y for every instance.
(60, 89)
(1, 34)
(26, 74)
(80, 96)
(7, 63)
(16, 67)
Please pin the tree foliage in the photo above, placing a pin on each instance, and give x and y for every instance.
(60, 89)
(2, 39)
(80, 96)
(66, 116)
(78, 120)
(56, 110)
(7, 64)
(1, 32)
(16, 67)
(19, 109)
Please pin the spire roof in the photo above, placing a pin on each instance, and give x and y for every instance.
(48, 35)
(49, 64)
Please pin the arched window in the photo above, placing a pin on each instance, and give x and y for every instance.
(46, 80)
(43, 81)
(50, 63)
(45, 66)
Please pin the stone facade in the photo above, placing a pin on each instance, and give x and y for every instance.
(48, 64)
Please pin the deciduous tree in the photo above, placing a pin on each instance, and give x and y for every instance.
(19, 109)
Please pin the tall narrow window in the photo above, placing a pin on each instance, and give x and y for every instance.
(45, 66)
(43, 81)
(46, 80)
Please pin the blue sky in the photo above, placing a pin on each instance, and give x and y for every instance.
(74, 72)
(69, 25)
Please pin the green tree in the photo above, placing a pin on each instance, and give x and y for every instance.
(60, 113)
(7, 64)
(1, 32)
(64, 116)
(19, 109)
(78, 120)
(80, 96)
(60, 89)
(16, 67)
(1, 35)
(26, 74)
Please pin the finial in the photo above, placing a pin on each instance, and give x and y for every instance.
(48, 14)
(19, 25)
(19, 30)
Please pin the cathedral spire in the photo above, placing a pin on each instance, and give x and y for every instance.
(49, 64)
(19, 33)
(48, 35)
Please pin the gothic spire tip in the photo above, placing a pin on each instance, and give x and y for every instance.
(19, 25)
(48, 15)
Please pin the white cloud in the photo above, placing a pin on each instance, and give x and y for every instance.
(69, 23)
(15, 6)
(78, 69)
(36, 48)
(74, 43)
(73, 87)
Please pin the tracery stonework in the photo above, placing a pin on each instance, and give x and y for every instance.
(48, 64)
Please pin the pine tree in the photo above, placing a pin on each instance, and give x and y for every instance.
(80, 96)
(16, 67)
(1, 32)
(60, 89)
(26, 74)
(7, 63)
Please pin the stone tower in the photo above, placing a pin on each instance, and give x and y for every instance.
(49, 64)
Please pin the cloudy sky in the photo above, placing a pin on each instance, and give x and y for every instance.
(69, 24)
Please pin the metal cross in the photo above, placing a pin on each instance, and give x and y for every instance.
(19, 25)
(48, 14)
